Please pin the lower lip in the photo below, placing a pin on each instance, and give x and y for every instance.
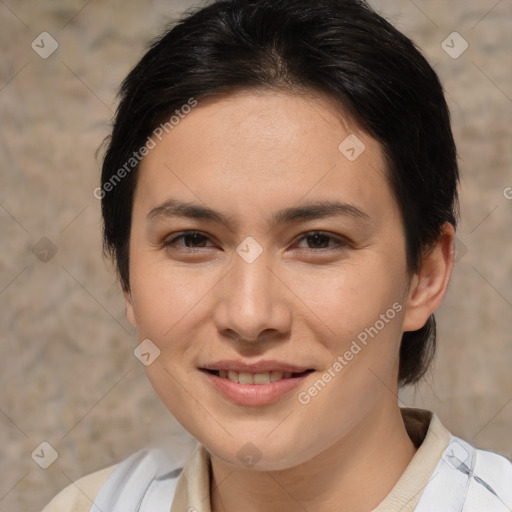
(254, 394)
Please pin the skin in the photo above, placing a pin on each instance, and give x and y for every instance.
(247, 155)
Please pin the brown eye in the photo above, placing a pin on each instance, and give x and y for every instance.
(318, 240)
(191, 239)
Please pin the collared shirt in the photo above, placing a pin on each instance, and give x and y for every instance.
(436, 449)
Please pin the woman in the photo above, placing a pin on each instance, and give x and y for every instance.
(279, 194)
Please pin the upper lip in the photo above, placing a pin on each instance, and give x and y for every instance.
(259, 367)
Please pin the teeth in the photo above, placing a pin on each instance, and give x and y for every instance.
(245, 378)
(261, 378)
(276, 376)
(254, 378)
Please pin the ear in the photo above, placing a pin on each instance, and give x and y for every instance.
(130, 315)
(429, 285)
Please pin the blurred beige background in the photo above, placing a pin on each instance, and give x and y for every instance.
(67, 372)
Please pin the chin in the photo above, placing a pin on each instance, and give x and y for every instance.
(259, 454)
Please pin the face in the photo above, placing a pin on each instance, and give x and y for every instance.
(278, 319)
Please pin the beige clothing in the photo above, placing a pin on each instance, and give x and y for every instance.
(193, 488)
(79, 496)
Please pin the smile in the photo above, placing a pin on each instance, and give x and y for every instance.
(256, 378)
(254, 389)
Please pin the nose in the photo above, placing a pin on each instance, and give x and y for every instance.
(253, 303)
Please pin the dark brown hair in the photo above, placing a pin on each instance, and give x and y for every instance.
(338, 47)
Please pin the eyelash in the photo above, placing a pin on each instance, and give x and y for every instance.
(342, 243)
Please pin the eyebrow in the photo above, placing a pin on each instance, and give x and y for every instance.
(309, 211)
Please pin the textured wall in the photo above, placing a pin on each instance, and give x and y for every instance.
(67, 372)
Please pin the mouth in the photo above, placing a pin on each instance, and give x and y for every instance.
(255, 389)
(258, 379)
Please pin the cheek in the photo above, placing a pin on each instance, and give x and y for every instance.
(362, 310)
(163, 296)
(346, 301)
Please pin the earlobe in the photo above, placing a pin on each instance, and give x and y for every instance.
(429, 285)
(130, 315)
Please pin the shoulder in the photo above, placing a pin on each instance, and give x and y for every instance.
(471, 477)
(148, 477)
(79, 496)
(492, 474)
(146, 474)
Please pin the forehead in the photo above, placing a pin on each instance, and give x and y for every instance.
(253, 150)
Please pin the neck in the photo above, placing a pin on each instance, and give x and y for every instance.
(348, 477)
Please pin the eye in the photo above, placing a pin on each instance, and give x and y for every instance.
(320, 238)
(191, 238)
